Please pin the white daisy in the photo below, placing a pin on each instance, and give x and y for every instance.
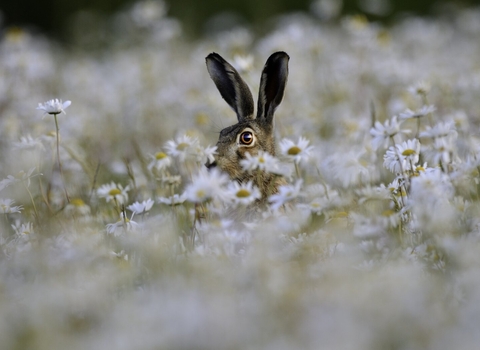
(440, 129)
(410, 149)
(160, 161)
(23, 231)
(373, 193)
(205, 154)
(21, 176)
(441, 151)
(383, 132)
(206, 185)
(55, 106)
(7, 182)
(181, 147)
(115, 192)
(6, 206)
(262, 161)
(244, 193)
(243, 63)
(176, 199)
(421, 87)
(402, 157)
(409, 114)
(393, 161)
(121, 225)
(120, 255)
(140, 208)
(285, 194)
(77, 206)
(297, 152)
(28, 143)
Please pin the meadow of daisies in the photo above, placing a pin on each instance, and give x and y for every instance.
(115, 235)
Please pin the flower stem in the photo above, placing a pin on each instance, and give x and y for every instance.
(58, 158)
(37, 217)
(297, 170)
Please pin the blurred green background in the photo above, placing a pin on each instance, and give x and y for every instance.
(53, 16)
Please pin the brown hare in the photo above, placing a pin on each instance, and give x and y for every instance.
(251, 134)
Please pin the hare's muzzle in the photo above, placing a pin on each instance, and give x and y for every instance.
(211, 165)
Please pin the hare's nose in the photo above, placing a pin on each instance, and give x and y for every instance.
(211, 165)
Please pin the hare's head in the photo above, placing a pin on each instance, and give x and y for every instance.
(252, 134)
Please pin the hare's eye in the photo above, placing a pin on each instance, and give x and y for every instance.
(246, 138)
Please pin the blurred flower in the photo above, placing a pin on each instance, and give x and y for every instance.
(373, 193)
(115, 192)
(77, 206)
(262, 161)
(243, 63)
(120, 255)
(207, 184)
(441, 151)
(244, 193)
(28, 143)
(285, 194)
(172, 180)
(122, 225)
(140, 208)
(326, 9)
(54, 106)
(375, 7)
(421, 87)
(440, 129)
(6, 206)
(382, 133)
(148, 12)
(21, 176)
(173, 200)
(23, 231)
(297, 152)
(205, 155)
(159, 161)
(180, 147)
(409, 114)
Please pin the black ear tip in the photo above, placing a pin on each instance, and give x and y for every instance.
(279, 55)
(214, 56)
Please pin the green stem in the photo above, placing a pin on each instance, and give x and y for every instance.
(58, 158)
(297, 170)
(37, 217)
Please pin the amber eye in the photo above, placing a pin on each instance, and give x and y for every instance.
(246, 138)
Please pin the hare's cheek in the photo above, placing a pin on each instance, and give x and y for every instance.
(242, 152)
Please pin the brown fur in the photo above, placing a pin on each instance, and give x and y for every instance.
(236, 93)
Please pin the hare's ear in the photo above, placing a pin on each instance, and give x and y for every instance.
(272, 85)
(231, 86)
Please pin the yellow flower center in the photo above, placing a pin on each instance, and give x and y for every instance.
(261, 160)
(114, 192)
(201, 193)
(420, 168)
(388, 212)
(243, 193)
(182, 146)
(293, 151)
(160, 155)
(201, 119)
(77, 202)
(15, 34)
(408, 152)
